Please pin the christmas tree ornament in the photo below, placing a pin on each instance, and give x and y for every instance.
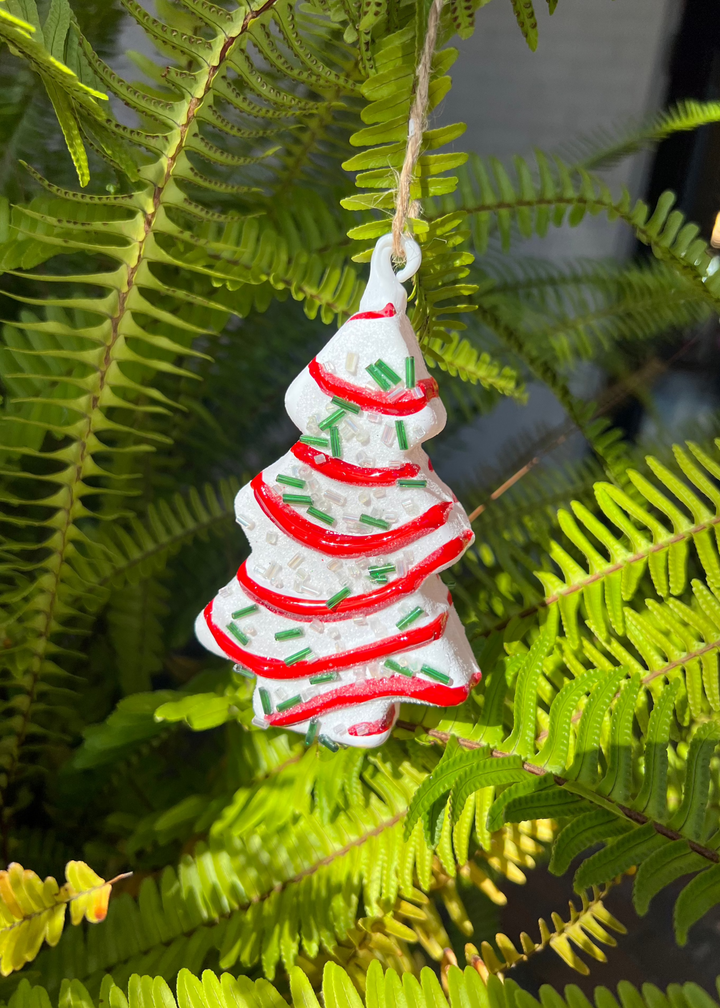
(339, 611)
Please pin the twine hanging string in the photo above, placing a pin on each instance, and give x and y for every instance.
(404, 206)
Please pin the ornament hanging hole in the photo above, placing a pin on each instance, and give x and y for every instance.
(385, 286)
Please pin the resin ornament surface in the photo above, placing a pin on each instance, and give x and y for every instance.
(340, 611)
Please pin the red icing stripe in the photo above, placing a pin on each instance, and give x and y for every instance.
(374, 689)
(387, 312)
(324, 540)
(346, 472)
(355, 605)
(275, 668)
(376, 402)
(365, 728)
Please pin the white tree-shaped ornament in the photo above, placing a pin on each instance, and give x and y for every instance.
(340, 611)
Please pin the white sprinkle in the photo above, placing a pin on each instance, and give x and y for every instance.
(390, 516)
(401, 567)
(271, 538)
(307, 590)
(336, 498)
(360, 621)
(319, 459)
(335, 634)
(245, 522)
(273, 570)
(329, 367)
(250, 630)
(388, 435)
(364, 497)
(317, 626)
(351, 363)
(335, 565)
(374, 417)
(260, 722)
(296, 561)
(410, 507)
(379, 493)
(225, 591)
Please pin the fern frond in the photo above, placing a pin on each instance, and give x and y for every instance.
(585, 928)
(597, 785)
(605, 149)
(33, 911)
(334, 859)
(550, 193)
(439, 290)
(461, 360)
(339, 989)
(581, 312)
(44, 48)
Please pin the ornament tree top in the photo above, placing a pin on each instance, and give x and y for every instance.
(340, 611)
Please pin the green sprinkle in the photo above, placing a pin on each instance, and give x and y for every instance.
(396, 667)
(265, 700)
(344, 404)
(239, 613)
(237, 632)
(335, 443)
(328, 743)
(241, 670)
(292, 701)
(297, 499)
(321, 516)
(298, 656)
(317, 442)
(289, 634)
(415, 614)
(332, 420)
(375, 522)
(311, 734)
(316, 680)
(392, 376)
(290, 481)
(378, 377)
(380, 579)
(380, 571)
(401, 435)
(337, 598)
(434, 674)
(412, 483)
(410, 372)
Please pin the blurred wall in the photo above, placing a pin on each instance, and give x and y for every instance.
(599, 63)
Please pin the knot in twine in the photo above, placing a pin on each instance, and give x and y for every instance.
(404, 206)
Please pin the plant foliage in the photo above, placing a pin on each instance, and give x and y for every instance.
(152, 319)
